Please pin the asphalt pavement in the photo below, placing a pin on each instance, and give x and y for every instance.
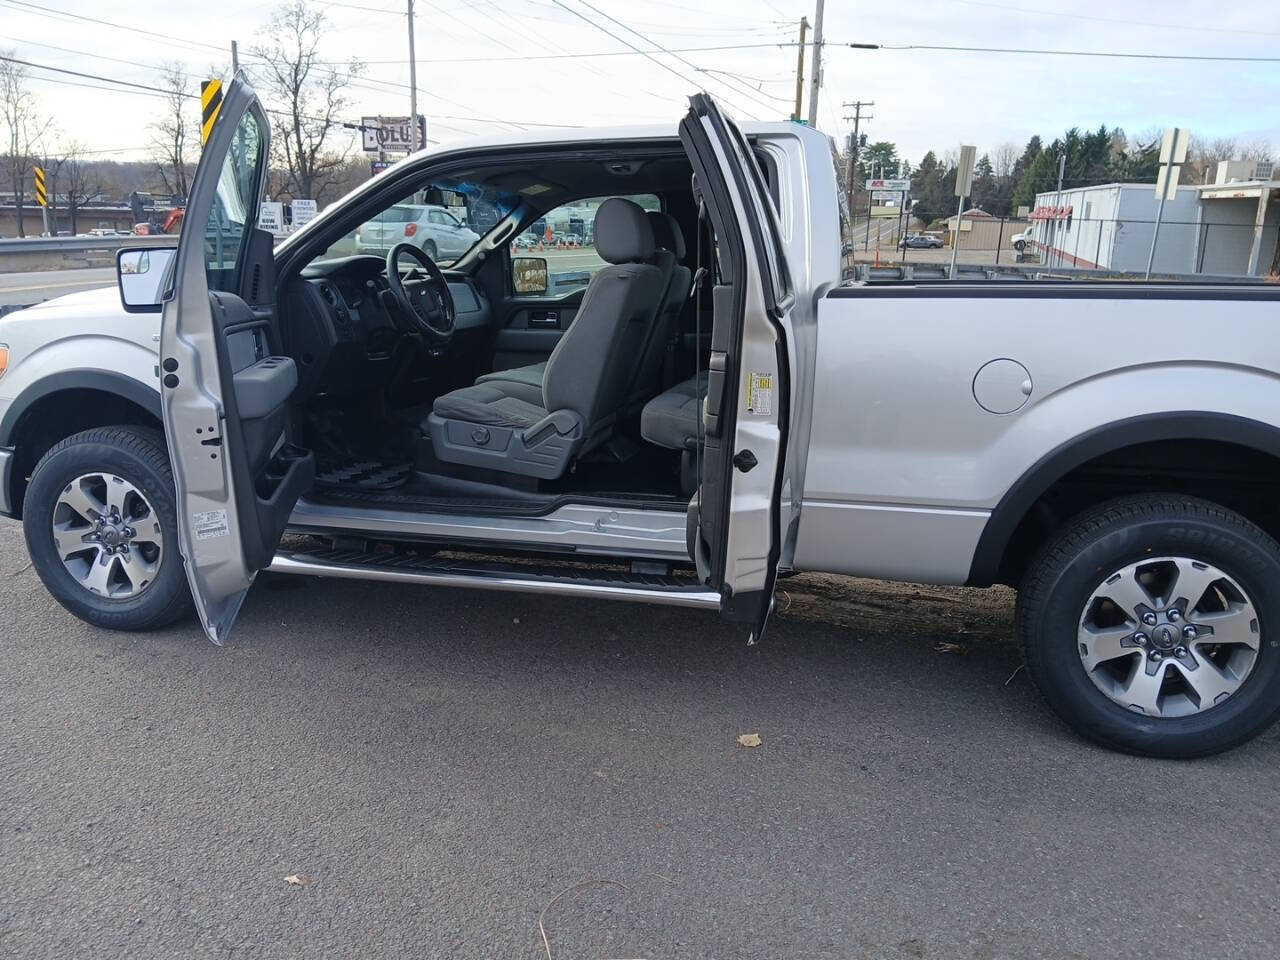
(446, 768)
(23, 289)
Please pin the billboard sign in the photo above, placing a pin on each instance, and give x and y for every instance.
(391, 134)
(899, 184)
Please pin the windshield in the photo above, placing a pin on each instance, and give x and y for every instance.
(445, 219)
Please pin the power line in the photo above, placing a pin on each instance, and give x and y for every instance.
(634, 51)
(1062, 53)
(686, 62)
(647, 54)
(63, 14)
(1198, 28)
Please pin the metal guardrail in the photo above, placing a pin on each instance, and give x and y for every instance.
(863, 272)
(83, 244)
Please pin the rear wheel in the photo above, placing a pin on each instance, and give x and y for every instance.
(1151, 626)
(101, 528)
(429, 248)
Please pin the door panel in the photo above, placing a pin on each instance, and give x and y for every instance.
(737, 508)
(225, 392)
(531, 327)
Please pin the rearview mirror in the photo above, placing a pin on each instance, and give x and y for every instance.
(529, 274)
(140, 273)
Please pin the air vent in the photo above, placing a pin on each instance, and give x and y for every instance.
(328, 295)
(255, 282)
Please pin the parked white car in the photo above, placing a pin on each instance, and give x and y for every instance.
(432, 229)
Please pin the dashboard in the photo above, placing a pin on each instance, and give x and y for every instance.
(343, 335)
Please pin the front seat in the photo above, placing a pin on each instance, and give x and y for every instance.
(646, 371)
(648, 375)
(515, 427)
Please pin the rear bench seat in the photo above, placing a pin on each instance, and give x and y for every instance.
(671, 420)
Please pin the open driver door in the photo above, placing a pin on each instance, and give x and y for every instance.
(224, 390)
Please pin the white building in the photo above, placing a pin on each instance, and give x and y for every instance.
(1239, 220)
(1110, 227)
(1228, 228)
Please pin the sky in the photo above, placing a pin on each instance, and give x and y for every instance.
(477, 76)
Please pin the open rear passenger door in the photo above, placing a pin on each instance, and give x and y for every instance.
(224, 394)
(736, 512)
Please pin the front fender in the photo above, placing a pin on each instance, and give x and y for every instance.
(95, 361)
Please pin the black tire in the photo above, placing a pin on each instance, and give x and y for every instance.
(1020, 245)
(138, 455)
(429, 248)
(1062, 577)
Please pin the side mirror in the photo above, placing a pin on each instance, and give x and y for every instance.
(529, 274)
(140, 273)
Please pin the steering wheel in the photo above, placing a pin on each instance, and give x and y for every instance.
(427, 303)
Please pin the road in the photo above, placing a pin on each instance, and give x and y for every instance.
(442, 764)
(26, 288)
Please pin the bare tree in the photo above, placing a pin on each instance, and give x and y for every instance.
(83, 182)
(1203, 157)
(307, 99)
(24, 128)
(172, 135)
(1257, 149)
(1004, 158)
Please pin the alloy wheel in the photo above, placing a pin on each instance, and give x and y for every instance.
(1169, 637)
(107, 535)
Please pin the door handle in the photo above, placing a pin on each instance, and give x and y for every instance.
(544, 318)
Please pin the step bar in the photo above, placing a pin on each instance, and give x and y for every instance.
(433, 571)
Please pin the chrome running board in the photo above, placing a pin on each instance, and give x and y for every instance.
(442, 572)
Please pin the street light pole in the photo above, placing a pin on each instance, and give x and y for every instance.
(816, 82)
(413, 89)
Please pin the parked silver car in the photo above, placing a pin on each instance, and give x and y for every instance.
(434, 230)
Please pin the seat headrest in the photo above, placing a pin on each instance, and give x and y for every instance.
(623, 234)
(666, 232)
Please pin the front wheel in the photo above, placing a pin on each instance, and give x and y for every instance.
(101, 529)
(1151, 626)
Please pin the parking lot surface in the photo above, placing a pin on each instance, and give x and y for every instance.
(438, 766)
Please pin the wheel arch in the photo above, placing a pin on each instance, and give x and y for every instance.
(1023, 496)
(62, 404)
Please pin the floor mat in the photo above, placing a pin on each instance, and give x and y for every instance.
(363, 474)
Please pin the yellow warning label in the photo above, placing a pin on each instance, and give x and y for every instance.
(760, 395)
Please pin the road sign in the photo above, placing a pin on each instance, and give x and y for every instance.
(210, 104)
(964, 170)
(899, 184)
(42, 192)
(894, 195)
(391, 134)
(377, 166)
(304, 211)
(1173, 153)
(271, 216)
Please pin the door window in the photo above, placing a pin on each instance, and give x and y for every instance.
(231, 218)
(565, 239)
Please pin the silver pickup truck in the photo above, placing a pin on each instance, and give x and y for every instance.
(703, 408)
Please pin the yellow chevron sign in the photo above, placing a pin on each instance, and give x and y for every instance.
(210, 104)
(42, 192)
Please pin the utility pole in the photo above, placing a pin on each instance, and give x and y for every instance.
(854, 143)
(816, 83)
(413, 90)
(804, 28)
(235, 58)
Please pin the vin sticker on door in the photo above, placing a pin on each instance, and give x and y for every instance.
(760, 395)
(210, 524)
